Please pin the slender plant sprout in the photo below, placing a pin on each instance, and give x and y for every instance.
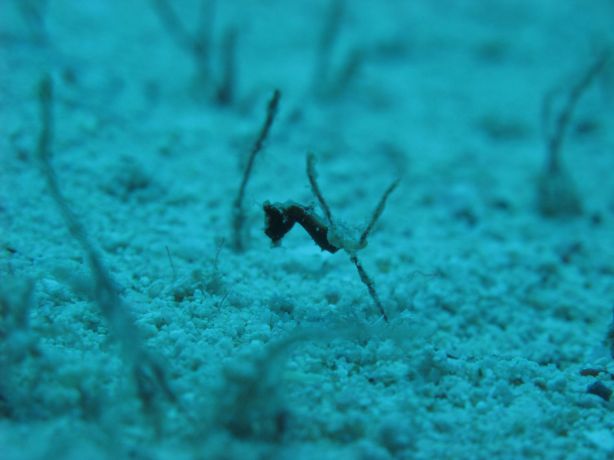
(148, 374)
(238, 212)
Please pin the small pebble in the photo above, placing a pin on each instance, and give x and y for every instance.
(600, 390)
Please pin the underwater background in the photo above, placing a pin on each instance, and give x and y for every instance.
(449, 294)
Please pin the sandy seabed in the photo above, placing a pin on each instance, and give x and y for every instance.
(495, 345)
